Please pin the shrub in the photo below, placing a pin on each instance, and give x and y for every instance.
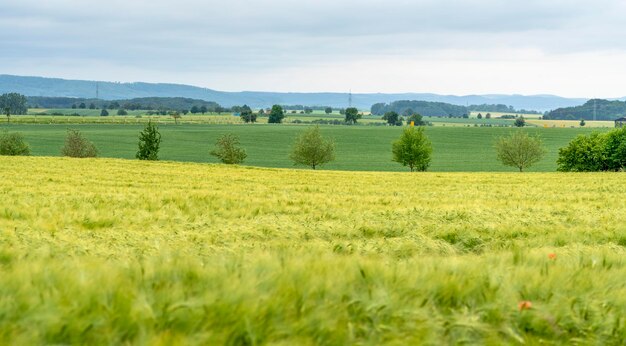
(78, 146)
(13, 144)
(520, 122)
(311, 149)
(584, 154)
(149, 143)
(227, 150)
(519, 150)
(413, 149)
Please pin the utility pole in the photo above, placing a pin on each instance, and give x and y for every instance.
(350, 98)
(594, 109)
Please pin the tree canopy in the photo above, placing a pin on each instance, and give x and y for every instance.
(413, 149)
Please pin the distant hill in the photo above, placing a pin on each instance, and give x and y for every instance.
(39, 86)
(604, 110)
(150, 103)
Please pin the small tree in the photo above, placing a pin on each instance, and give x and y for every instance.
(176, 116)
(413, 149)
(227, 150)
(311, 149)
(13, 144)
(92, 106)
(277, 114)
(82, 105)
(78, 146)
(520, 122)
(203, 109)
(195, 110)
(328, 110)
(149, 143)
(352, 115)
(247, 115)
(479, 116)
(104, 112)
(582, 122)
(488, 116)
(520, 150)
(392, 118)
(122, 111)
(417, 120)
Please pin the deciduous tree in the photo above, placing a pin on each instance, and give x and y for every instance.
(413, 149)
(311, 149)
(519, 150)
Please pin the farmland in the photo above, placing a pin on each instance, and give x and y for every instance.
(109, 251)
(366, 148)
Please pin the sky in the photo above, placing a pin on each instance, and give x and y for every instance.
(569, 48)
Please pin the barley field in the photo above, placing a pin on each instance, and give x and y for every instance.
(110, 251)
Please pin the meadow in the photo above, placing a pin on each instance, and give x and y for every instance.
(363, 148)
(110, 251)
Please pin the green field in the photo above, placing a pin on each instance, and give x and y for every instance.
(107, 251)
(366, 148)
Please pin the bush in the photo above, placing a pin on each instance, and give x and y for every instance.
(149, 143)
(311, 149)
(583, 154)
(122, 112)
(78, 146)
(13, 144)
(227, 150)
(413, 149)
(520, 122)
(519, 150)
(596, 152)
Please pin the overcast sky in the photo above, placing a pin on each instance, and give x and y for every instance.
(565, 47)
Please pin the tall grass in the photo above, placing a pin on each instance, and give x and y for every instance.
(103, 251)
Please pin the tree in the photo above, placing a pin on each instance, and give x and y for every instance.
(149, 142)
(122, 111)
(92, 106)
(308, 110)
(328, 110)
(203, 109)
(392, 118)
(416, 119)
(277, 114)
(247, 115)
(78, 146)
(615, 149)
(82, 105)
(479, 116)
(520, 122)
(227, 150)
(195, 110)
(520, 150)
(412, 149)
(311, 149)
(13, 103)
(104, 112)
(352, 115)
(488, 116)
(13, 144)
(176, 116)
(582, 122)
(74, 106)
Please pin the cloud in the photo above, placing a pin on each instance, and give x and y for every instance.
(242, 43)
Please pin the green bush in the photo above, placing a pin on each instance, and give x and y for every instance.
(13, 144)
(227, 150)
(413, 149)
(584, 154)
(149, 143)
(78, 146)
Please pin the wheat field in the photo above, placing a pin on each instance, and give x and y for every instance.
(109, 251)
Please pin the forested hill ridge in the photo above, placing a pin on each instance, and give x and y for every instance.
(603, 109)
(39, 86)
(439, 109)
(149, 103)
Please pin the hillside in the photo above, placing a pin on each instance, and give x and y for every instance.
(131, 252)
(603, 109)
(38, 86)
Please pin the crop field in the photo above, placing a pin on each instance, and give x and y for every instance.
(126, 119)
(526, 116)
(363, 148)
(571, 123)
(109, 251)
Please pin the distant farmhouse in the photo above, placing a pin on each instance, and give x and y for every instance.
(620, 122)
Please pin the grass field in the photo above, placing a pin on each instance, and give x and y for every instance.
(366, 148)
(106, 251)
